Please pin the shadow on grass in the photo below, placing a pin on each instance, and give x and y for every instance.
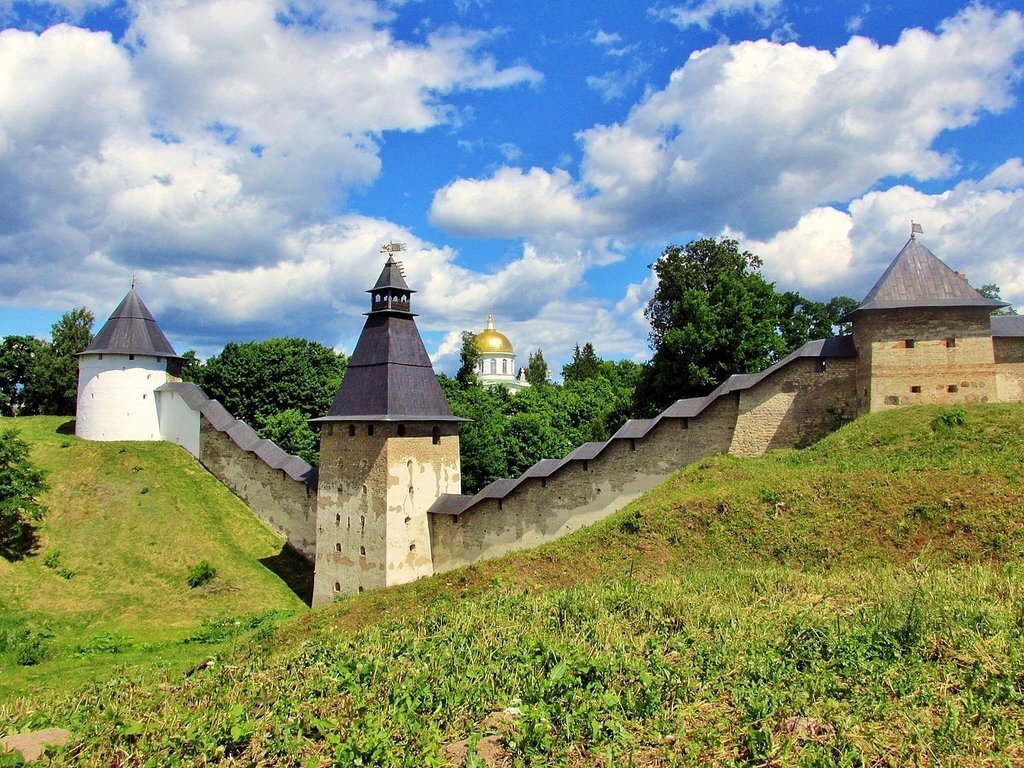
(67, 428)
(294, 570)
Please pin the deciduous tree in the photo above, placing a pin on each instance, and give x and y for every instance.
(259, 379)
(21, 485)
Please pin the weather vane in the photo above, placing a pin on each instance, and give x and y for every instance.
(915, 229)
(392, 248)
(135, 278)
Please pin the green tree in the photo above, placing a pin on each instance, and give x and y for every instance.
(17, 355)
(584, 364)
(469, 356)
(191, 366)
(259, 379)
(537, 369)
(802, 320)
(21, 485)
(712, 315)
(52, 383)
(291, 431)
(993, 291)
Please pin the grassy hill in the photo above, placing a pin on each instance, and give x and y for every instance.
(108, 587)
(860, 602)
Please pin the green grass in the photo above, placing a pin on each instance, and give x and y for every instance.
(857, 603)
(108, 588)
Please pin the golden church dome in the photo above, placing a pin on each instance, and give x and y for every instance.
(490, 341)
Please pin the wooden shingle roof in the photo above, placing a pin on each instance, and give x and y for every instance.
(918, 278)
(131, 330)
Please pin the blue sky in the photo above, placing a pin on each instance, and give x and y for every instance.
(247, 158)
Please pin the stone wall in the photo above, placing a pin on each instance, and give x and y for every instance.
(286, 504)
(1009, 357)
(917, 356)
(795, 405)
(792, 404)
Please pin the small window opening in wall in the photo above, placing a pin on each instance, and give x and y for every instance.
(586, 466)
(410, 490)
(337, 547)
(916, 389)
(348, 523)
(401, 430)
(822, 366)
(159, 359)
(362, 551)
(950, 343)
(337, 519)
(369, 429)
(632, 443)
(408, 520)
(131, 357)
(101, 357)
(351, 430)
(500, 503)
(362, 521)
(330, 429)
(337, 586)
(364, 490)
(908, 343)
(435, 435)
(412, 547)
(144, 396)
(360, 590)
(952, 388)
(543, 482)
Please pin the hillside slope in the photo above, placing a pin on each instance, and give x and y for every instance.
(127, 522)
(859, 602)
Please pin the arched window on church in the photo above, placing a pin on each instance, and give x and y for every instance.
(504, 366)
(494, 366)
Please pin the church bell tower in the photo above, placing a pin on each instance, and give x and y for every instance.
(389, 446)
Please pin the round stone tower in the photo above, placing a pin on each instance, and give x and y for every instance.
(118, 372)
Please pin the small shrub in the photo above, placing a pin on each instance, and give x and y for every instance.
(201, 573)
(52, 559)
(631, 523)
(950, 418)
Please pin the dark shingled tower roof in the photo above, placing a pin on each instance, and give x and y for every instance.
(918, 278)
(389, 376)
(131, 330)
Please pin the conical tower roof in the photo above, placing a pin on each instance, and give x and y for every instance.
(131, 330)
(389, 376)
(918, 278)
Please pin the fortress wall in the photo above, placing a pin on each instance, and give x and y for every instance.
(796, 405)
(950, 359)
(1009, 356)
(288, 506)
(580, 492)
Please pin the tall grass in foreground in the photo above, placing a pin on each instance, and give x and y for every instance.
(766, 666)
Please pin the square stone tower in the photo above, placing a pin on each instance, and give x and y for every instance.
(389, 447)
(923, 335)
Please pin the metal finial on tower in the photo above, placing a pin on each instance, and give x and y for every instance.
(391, 249)
(915, 229)
(135, 278)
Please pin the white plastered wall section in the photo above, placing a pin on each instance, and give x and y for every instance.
(179, 422)
(116, 400)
